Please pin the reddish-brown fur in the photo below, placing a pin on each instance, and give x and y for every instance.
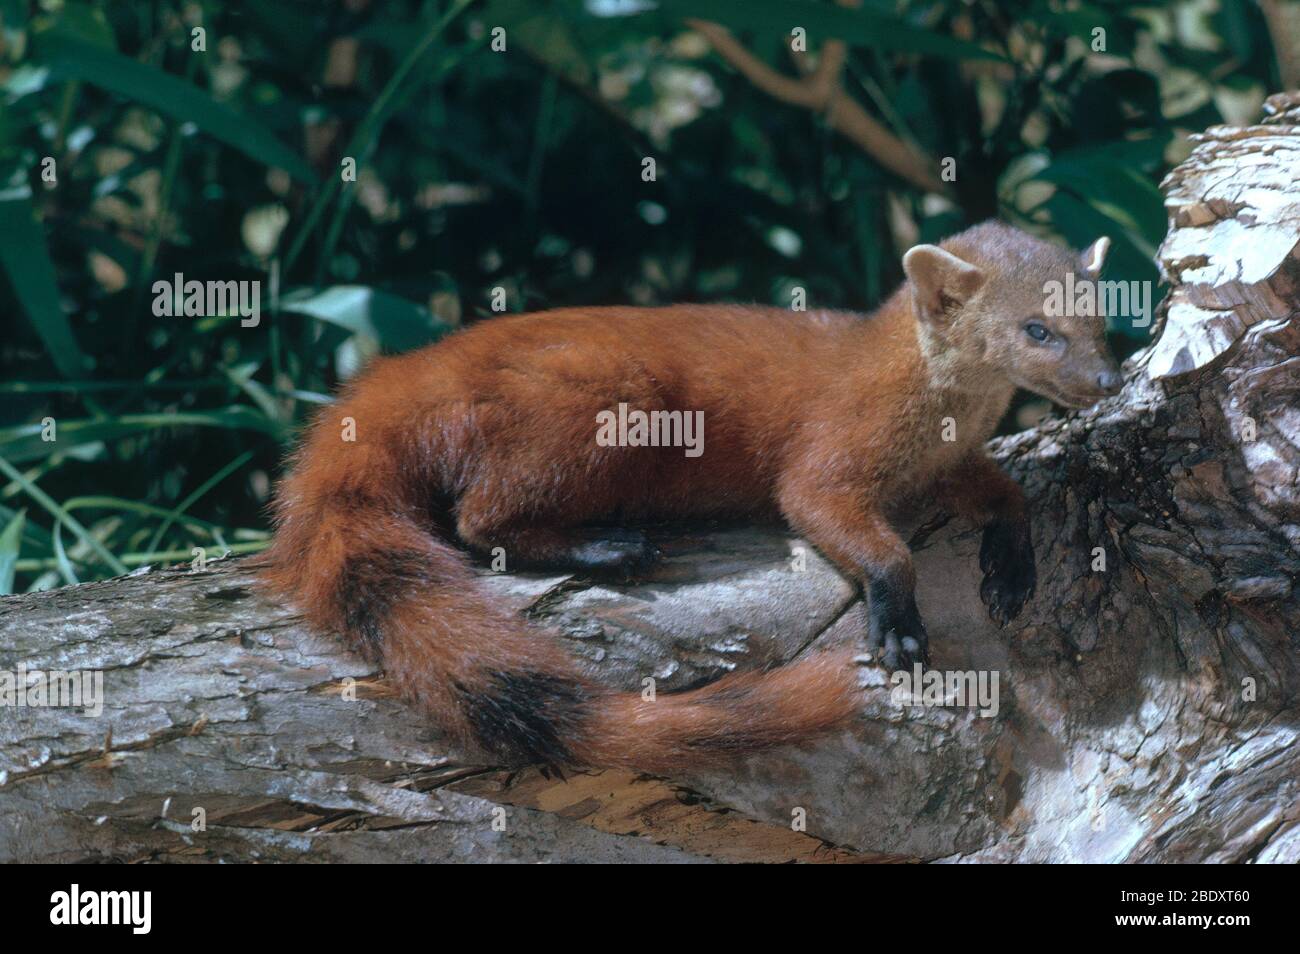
(828, 419)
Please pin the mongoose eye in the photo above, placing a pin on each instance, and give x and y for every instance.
(1037, 331)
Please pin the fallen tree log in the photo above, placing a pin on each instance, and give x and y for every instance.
(1147, 706)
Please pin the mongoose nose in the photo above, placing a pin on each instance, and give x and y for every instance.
(1110, 382)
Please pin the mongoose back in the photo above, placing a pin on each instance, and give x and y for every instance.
(831, 420)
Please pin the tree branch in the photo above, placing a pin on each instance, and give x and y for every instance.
(821, 91)
(1149, 701)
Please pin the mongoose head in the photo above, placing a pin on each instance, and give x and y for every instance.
(985, 306)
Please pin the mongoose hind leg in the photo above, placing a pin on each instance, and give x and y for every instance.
(605, 550)
(594, 550)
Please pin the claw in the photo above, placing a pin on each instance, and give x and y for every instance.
(895, 633)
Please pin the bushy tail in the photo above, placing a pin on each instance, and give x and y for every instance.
(374, 569)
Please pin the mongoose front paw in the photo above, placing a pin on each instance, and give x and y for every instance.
(897, 637)
(1007, 559)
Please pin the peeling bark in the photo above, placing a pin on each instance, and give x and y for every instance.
(1148, 710)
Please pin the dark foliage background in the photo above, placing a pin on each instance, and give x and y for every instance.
(128, 154)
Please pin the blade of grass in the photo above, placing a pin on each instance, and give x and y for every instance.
(310, 397)
(24, 442)
(197, 493)
(34, 475)
(61, 560)
(72, 58)
(242, 378)
(142, 558)
(144, 270)
(25, 258)
(52, 507)
(77, 387)
(11, 541)
(130, 506)
(541, 129)
(345, 203)
(375, 117)
(34, 535)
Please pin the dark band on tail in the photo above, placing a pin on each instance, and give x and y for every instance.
(527, 717)
(370, 584)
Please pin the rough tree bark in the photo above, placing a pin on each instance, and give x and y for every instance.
(1148, 710)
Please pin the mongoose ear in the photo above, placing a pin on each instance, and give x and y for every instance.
(940, 281)
(1093, 257)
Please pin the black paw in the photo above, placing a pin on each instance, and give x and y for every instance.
(1007, 559)
(895, 634)
(613, 550)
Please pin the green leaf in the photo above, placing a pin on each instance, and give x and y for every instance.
(25, 258)
(865, 28)
(73, 58)
(395, 323)
(1132, 198)
(1145, 153)
(10, 542)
